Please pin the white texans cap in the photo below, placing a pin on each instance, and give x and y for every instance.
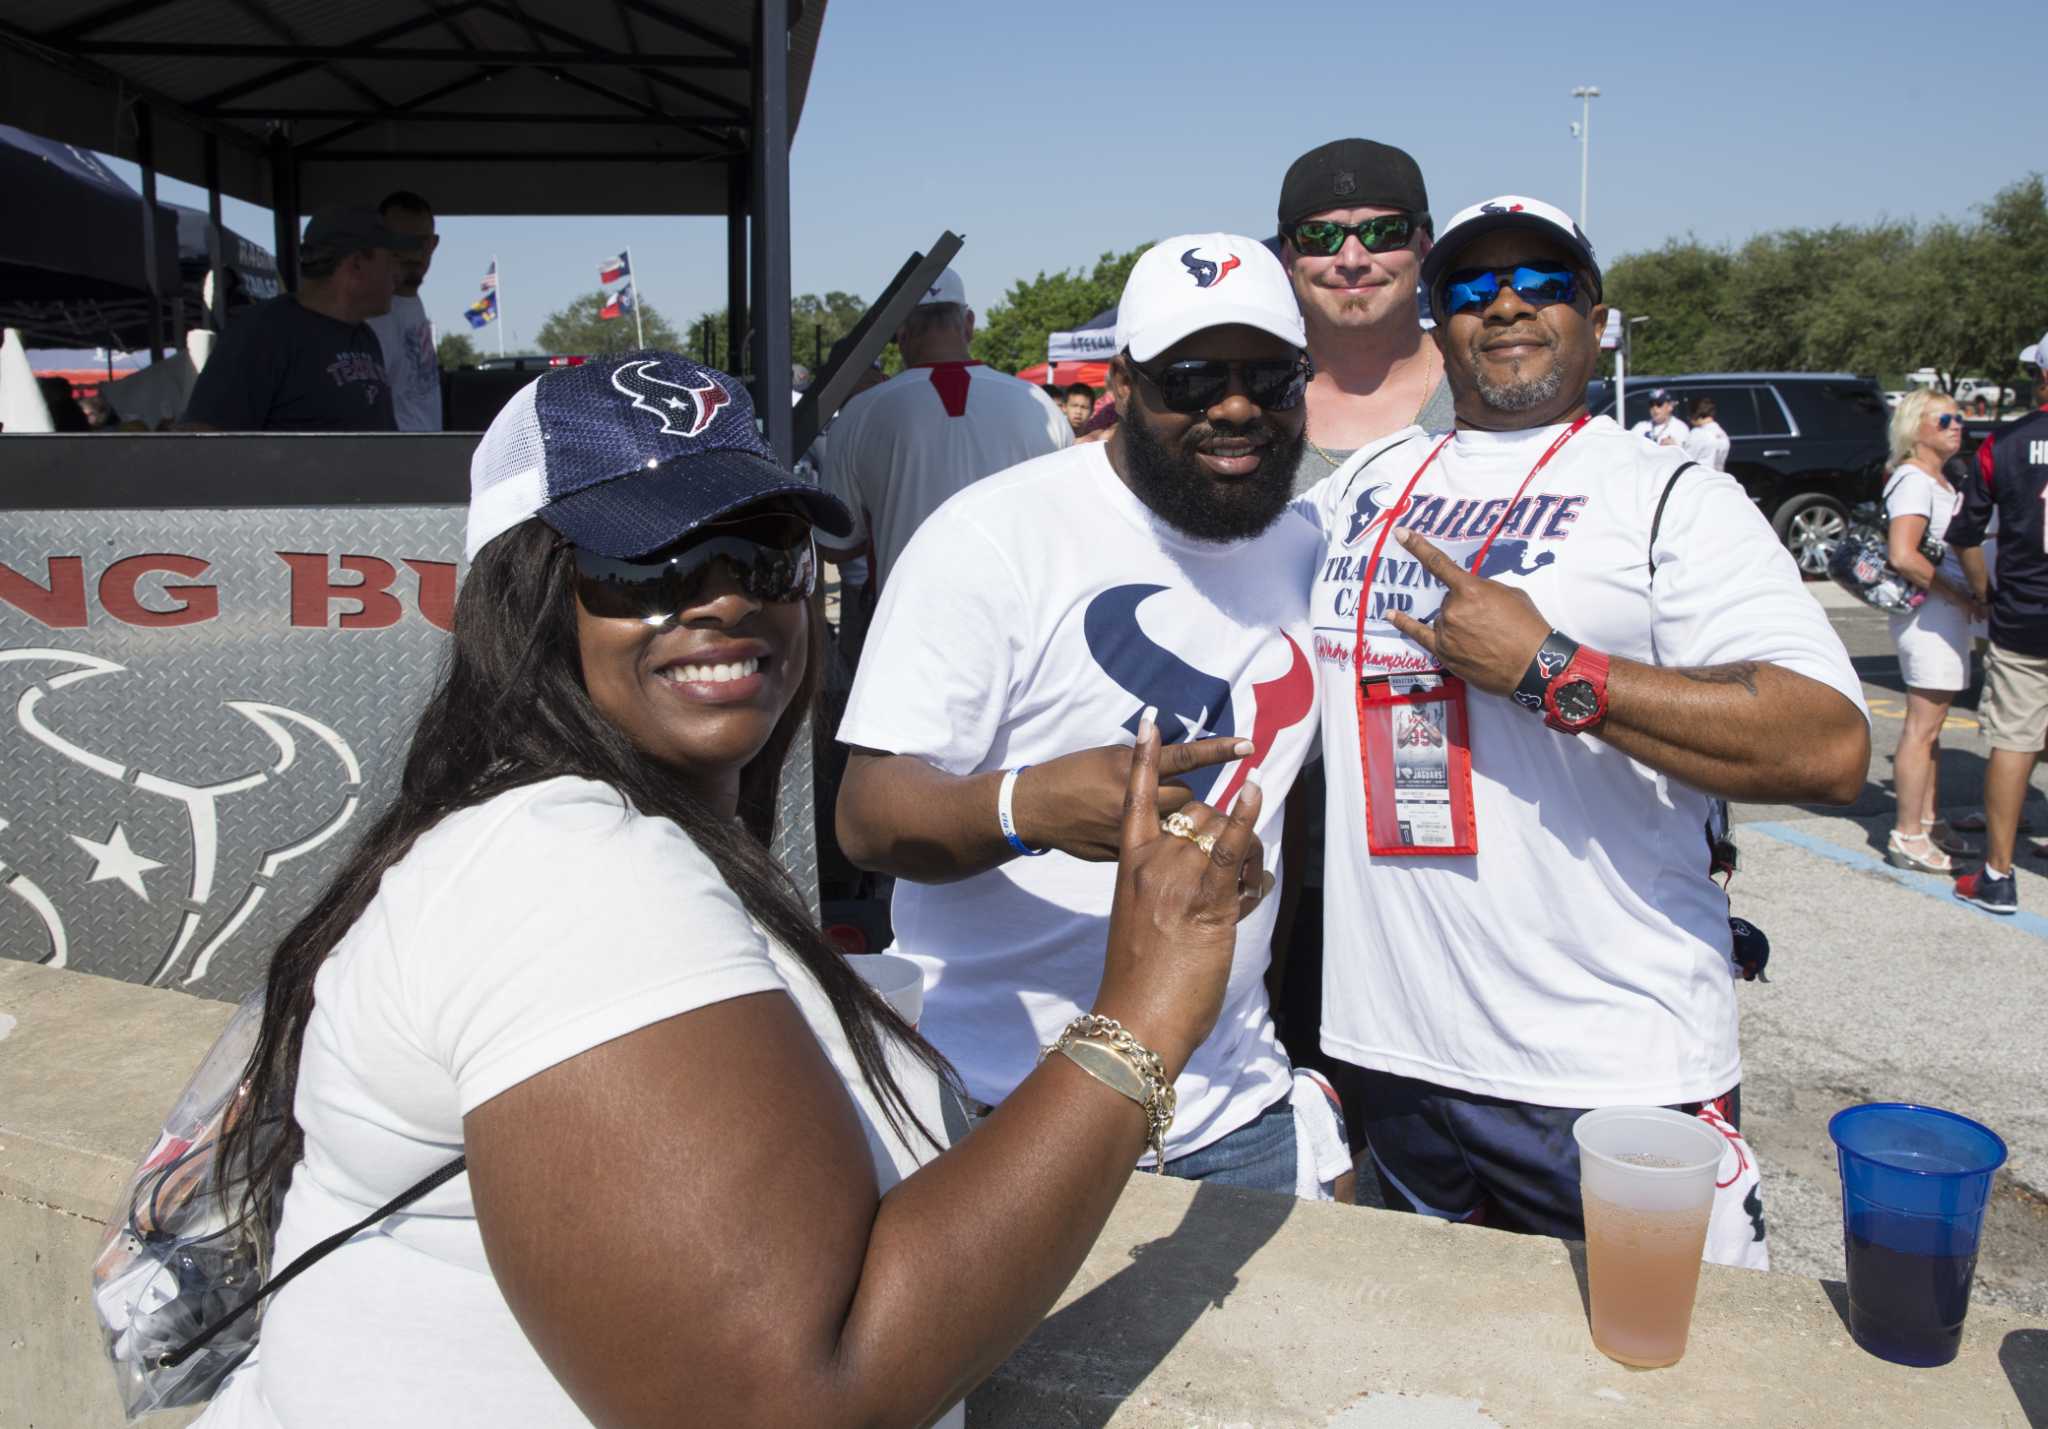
(2037, 354)
(1204, 280)
(949, 289)
(1508, 211)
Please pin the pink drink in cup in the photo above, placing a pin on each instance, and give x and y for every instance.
(1646, 1182)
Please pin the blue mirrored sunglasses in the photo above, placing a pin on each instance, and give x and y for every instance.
(1537, 284)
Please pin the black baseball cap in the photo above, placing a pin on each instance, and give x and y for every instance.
(341, 229)
(1352, 173)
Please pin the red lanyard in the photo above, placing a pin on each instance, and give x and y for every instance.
(1478, 561)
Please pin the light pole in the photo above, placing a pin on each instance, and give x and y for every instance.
(1586, 93)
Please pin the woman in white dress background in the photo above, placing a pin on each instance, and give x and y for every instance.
(1933, 640)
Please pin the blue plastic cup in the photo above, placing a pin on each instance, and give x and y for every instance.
(1915, 1180)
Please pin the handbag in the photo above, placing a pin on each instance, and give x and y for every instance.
(1861, 563)
(178, 1273)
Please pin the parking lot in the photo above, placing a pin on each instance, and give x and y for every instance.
(1883, 987)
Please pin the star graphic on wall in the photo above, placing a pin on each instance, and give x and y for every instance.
(114, 859)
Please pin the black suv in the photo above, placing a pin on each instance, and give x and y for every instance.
(1806, 446)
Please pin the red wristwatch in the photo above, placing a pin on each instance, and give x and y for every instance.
(1576, 699)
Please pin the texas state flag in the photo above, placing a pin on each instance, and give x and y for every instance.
(621, 303)
(614, 268)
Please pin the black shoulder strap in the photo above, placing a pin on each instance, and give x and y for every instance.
(1657, 521)
(334, 1242)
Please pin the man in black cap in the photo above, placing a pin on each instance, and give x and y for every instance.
(308, 361)
(1354, 227)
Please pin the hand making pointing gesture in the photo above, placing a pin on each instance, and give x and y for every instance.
(1485, 633)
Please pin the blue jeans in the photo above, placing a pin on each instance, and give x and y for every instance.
(1260, 1155)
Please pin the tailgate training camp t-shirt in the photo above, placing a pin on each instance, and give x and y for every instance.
(901, 449)
(281, 366)
(1037, 614)
(1581, 958)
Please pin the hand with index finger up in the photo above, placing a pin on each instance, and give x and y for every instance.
(1485, 633)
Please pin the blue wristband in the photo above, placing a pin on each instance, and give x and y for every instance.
(1004, 817)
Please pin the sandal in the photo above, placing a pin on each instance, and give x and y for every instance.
(1917, 852)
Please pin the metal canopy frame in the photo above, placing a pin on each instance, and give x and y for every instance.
(484, 106)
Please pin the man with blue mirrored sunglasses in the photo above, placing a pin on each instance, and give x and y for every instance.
(1598, 639)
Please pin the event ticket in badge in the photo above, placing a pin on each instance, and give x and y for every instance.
(1422, 775)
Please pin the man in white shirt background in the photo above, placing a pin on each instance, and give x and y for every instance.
(1027, 628)
(1609, 671)
(1663, 427)
(938, 426)
(404, 332)
(1706, 441)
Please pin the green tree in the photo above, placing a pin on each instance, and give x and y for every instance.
(1011, 335)
(815, 323)
(455, 349)
(1676, 289)
(578, 328)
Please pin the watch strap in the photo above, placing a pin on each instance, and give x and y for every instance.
(1552, 656)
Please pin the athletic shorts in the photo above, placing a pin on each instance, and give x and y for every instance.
(2015, 704)
(1481, 1160)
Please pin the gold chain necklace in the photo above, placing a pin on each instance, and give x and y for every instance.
(1430, 379)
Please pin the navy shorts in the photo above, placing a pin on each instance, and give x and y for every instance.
(1464, 1157)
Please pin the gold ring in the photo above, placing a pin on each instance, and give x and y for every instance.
(1179, 825)
(1205, 842)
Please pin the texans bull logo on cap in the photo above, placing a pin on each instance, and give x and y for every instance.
(673, 402)
(1207, 272)
(1192, 703)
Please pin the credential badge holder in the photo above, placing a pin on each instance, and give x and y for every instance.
(1415, 750)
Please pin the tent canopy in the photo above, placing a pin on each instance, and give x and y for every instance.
(1092, 341)
(485, 106)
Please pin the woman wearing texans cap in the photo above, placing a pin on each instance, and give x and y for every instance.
(706, 1168)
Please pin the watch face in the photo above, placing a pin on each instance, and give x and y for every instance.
(1577, 701)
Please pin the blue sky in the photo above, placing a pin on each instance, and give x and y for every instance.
(1048, 134)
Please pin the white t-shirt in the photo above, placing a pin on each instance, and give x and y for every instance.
(1658, 433)
(1909, 491)
(1037, 614)
(515, 935)
(1707, 444)
(900, 450)
(1581, 958)
(409, 361)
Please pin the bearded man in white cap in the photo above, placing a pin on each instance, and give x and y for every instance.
(945, 421)
(1546, 646)
(1031, 625)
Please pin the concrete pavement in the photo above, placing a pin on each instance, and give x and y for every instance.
(1884, 987)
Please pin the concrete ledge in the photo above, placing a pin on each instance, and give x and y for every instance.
(1199, 1306)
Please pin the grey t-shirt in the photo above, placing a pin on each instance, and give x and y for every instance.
(1436, 415)
(281, 366)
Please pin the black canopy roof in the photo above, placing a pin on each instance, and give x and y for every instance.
(485, 106)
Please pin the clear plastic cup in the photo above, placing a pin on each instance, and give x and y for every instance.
(898, 979)
(1915, 1180)
(1646, 1182)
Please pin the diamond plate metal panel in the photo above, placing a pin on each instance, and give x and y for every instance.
(174, 796)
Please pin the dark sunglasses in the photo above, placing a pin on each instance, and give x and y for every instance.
(1948, 419)
(773, 557)
(1537, 284)
(1195, 384)
(1323, 237)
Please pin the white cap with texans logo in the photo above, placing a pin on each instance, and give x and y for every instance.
(2036, 355)
(1204, 280)
(949, 289)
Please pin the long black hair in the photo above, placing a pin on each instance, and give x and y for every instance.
(511, 710)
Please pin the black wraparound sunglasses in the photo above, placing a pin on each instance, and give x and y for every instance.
(773, 557)
(1195, 384)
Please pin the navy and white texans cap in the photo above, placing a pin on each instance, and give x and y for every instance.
(625, 455)
(1507, 211)
(948, 289)
(1204, 280)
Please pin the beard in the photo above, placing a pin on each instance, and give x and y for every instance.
(1183, 493)
(1519, 393)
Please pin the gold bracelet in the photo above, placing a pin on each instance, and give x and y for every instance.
(1101, 1047)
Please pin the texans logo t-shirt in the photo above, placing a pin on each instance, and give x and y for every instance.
(1036, 614)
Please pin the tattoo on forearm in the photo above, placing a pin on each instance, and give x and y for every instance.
(1740, 672)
